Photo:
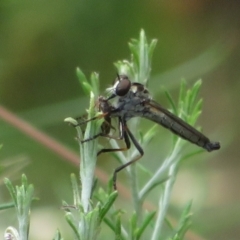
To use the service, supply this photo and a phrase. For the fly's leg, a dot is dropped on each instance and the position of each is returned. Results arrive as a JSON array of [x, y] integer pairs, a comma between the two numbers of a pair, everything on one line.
[[91, 119], [102, 135], [123, 135], [127, 134], [106, 127], [99, 134], [94, 137]]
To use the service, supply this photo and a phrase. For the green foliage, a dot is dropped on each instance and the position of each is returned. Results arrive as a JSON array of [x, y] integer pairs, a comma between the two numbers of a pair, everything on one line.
[[88, 86], [188, 108], [86, 222], [58, 236], [139, 67], [92, 206], [22, 197], [145, 223], [6, 205], [184, 223]]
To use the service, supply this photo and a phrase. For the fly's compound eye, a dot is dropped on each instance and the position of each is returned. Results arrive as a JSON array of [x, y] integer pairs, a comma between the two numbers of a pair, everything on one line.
[[123, 86]]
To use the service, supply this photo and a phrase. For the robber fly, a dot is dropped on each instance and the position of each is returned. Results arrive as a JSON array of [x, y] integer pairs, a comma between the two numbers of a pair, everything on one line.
[[134, 101]]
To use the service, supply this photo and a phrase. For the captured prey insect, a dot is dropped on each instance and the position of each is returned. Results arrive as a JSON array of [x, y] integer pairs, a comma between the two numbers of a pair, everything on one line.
[[134, 101]]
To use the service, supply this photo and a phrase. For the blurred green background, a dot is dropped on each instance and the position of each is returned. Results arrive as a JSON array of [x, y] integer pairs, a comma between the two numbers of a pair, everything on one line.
[[42, 43]]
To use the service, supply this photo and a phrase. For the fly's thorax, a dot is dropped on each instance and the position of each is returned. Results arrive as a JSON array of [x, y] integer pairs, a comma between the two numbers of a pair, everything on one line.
[[131, 106], [138, 94], [139, 90], [128, 103]]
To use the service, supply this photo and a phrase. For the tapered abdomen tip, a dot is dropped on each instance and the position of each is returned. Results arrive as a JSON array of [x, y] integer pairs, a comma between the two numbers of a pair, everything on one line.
[[211, 146]]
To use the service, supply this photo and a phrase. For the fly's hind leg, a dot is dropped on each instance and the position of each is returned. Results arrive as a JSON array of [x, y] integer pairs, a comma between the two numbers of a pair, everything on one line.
[[127, 135]]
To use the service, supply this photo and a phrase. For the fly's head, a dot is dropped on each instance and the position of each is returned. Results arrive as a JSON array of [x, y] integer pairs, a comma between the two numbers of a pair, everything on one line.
[[125, 89], [121, 87]]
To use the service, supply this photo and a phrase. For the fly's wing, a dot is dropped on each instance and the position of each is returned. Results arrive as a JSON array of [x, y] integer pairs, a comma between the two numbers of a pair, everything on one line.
[[168, 120]]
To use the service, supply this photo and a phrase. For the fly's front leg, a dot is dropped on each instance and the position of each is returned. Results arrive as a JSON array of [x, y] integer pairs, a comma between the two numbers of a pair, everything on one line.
[[92, 119], [94, 137], [101, 134]]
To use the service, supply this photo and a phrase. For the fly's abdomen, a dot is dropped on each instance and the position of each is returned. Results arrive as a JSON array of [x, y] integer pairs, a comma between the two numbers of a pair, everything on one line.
[[180, 128]]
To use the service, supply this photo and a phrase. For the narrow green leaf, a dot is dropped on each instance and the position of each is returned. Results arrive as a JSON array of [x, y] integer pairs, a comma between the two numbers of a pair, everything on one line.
[[87, 88], [124, 67], [95, 83], [81, 76], [58, 236], [94, 186], [141, 136], [11, 190], [71, 121], [118, 228], [109, 223], [186, 106], [134, 52], [185, 221], [71, 222], [110, 182], [171, 101], [75, 188], [145, 223], [194, 92], [182, 93], [193, 118], [7, 205], [144, 169], [168, 223], [148, 136], [197, 108], [83, 81], [152, 47], [155, 184], [108, 204], [133, 225], [29, 194], [24, 181], [190, 155]]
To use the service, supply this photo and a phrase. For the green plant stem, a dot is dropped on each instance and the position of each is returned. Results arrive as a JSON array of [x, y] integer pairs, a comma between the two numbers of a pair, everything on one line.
[[163, 169], [7, 205], [134, 187], [164, 201], [88, 155]]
